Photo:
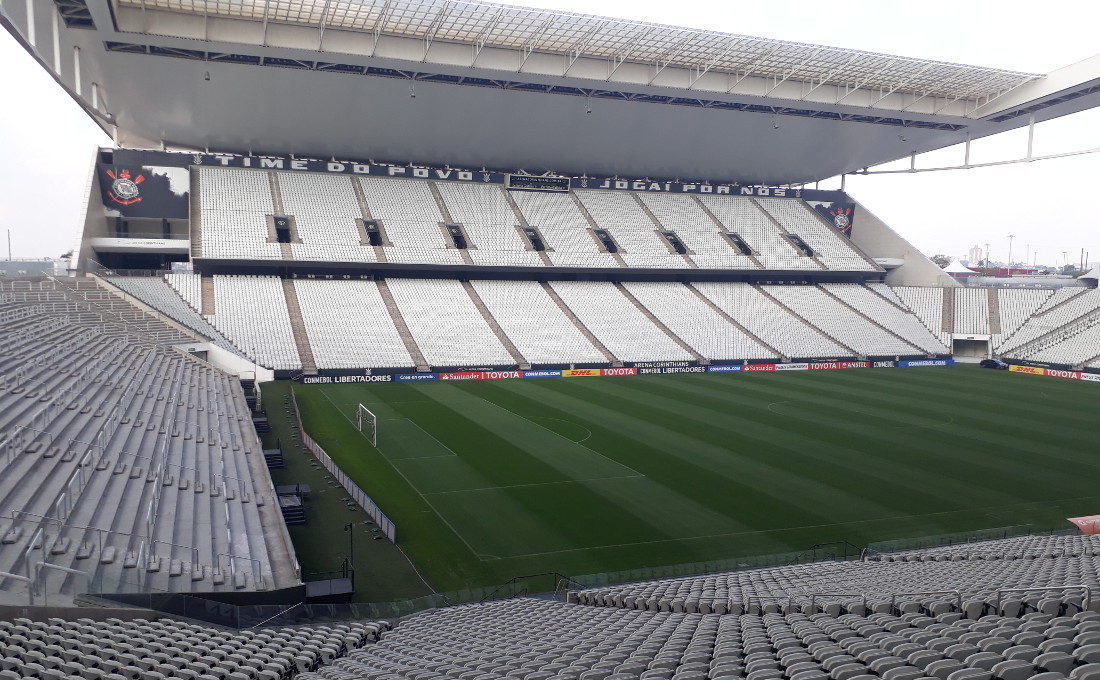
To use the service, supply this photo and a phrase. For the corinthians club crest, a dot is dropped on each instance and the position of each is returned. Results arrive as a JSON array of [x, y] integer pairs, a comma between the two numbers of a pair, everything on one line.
[[842, 218], [124, 190]]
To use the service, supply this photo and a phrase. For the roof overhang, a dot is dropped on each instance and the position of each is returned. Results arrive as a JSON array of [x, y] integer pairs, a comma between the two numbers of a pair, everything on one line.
[[484, 85]]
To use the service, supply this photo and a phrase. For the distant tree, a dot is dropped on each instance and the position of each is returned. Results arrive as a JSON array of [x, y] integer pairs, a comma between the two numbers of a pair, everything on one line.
[[942, 260], [65, 256]]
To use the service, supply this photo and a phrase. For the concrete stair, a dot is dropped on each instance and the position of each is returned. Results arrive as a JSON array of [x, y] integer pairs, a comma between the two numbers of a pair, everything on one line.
[[402, 328], [195, 216], [298, 326], [994, 311], [947, 320], [579, 324], [207, 302]]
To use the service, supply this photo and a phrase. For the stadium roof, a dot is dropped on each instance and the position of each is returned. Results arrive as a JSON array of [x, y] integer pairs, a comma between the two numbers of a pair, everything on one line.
[[579, 35], [476, 85]]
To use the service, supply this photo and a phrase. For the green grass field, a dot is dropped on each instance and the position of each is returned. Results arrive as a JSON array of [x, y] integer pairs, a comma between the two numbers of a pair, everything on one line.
[[487, 480]]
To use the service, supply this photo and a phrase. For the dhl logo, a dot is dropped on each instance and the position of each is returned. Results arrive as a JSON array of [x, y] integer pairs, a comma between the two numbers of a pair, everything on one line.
[[1028, 369], [578, 372]]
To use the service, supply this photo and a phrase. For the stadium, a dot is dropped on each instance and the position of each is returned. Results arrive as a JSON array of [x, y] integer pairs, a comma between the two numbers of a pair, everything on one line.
[[438, 339]]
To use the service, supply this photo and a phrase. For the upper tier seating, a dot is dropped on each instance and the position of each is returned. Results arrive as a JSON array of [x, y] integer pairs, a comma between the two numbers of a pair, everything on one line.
[[128, 461], [489, 223], [744, 217], [831, 251], [633, 231], [235, 205], [697, 230]]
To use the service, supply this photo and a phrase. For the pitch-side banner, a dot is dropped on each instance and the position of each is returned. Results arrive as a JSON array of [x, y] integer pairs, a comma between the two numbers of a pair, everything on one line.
[[145, 191], [1027, 369]]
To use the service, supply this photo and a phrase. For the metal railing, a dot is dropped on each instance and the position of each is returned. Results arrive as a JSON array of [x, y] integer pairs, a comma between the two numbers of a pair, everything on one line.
[[1046, 589]]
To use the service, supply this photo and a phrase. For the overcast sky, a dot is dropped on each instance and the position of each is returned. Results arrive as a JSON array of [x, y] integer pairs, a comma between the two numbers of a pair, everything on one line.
[[1047, 205]]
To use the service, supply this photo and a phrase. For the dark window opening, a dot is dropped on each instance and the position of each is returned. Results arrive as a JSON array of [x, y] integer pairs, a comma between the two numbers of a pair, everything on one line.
[[282, 230], [675, 242], [536, 240], [374, 236], [606, 240], [801, 245], [739, 243], [457, 236]]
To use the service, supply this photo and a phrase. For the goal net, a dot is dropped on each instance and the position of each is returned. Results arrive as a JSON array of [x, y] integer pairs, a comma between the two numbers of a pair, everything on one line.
[[368, 424]]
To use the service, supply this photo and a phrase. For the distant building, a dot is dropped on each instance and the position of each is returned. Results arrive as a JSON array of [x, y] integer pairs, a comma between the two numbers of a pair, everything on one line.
[[41, 267], [974, 255]]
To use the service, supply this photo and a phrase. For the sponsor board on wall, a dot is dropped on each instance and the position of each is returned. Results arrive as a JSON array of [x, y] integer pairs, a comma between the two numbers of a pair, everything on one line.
[[580, 372], [1035, 370], [1058, 373], [671, 369], [792, 367], [1090, 377], [724, 369], [481, 375], [650, 368], [344, 379], [927, 362], [837, 365]]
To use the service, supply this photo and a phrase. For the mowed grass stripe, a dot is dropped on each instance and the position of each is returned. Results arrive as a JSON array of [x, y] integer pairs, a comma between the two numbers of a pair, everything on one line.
[[833, 447], [530, 450], [966, 437], [861, 455], [791, 496]]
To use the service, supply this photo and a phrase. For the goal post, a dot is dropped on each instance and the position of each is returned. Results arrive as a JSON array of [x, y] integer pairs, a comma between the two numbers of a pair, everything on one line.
[[368, 424]]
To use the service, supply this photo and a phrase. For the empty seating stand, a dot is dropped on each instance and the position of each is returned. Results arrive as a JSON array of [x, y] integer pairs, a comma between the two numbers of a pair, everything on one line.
[[126, 461], [237, 205]]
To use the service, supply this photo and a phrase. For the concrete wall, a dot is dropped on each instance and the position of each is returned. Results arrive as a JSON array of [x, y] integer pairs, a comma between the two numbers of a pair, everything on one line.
[[879, 240]]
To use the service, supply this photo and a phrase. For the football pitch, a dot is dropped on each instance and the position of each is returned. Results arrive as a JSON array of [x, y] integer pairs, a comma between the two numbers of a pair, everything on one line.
[[487, 480]]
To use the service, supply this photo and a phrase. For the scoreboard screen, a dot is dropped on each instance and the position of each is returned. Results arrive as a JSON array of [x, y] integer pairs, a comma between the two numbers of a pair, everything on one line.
[[532, 183]]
